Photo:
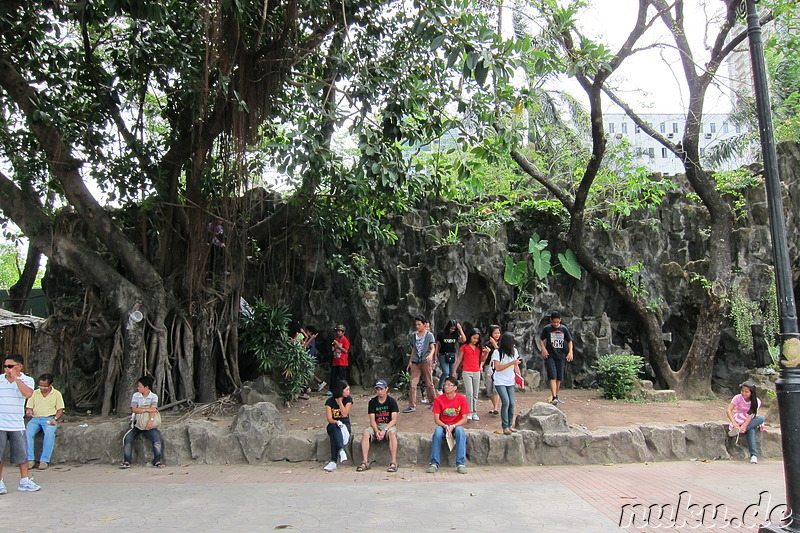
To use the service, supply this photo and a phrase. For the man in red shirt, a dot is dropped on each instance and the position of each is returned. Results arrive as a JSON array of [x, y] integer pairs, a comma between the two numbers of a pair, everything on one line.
[[341, 349], [450, 412]]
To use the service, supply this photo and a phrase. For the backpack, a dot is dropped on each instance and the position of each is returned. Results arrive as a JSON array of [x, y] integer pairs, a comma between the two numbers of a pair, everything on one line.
[[140, 420]]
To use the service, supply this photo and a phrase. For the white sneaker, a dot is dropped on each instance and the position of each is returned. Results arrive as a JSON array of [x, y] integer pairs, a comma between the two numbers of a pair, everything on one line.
[[754, 459], [424, 400], [2, 487], [330, 467], [27, 485], [342, 456], [475, 416]]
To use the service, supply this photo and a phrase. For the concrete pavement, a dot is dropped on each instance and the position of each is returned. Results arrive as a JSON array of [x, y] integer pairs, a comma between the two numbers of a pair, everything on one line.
[[676, 496]]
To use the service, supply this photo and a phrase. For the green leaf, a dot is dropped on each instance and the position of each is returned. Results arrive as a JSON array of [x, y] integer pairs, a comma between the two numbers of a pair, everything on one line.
[[541, 263], [570, 264]]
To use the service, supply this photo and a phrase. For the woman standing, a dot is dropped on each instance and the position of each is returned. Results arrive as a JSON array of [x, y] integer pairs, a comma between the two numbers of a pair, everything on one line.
[[744, 417], [471, 356], [492, 344], [505, 362], [337, 409]]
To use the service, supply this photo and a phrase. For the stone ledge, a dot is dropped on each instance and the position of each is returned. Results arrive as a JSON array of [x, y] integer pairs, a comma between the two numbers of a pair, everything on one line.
[[257, 436]]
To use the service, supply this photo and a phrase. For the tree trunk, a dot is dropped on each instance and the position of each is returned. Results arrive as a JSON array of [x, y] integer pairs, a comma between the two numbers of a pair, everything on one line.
[[21, 290]]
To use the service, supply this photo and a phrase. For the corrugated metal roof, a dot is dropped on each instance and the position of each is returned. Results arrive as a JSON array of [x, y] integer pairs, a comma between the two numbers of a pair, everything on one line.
[[7, 318]]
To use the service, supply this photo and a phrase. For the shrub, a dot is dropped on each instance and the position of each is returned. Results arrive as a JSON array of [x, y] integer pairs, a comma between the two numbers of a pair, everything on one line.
[[265, 334], [616, 374]]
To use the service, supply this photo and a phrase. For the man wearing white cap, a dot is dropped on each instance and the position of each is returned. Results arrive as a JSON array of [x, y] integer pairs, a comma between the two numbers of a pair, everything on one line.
[[382, 411]]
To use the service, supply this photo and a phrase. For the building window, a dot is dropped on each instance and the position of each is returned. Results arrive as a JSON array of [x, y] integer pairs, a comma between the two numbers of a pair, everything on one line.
[[663, 153], [713, 127], [662, 128], [610, 127], [738, 128], [724, 127], [623, 127], [651, 152], [674, 127], [637, 129]]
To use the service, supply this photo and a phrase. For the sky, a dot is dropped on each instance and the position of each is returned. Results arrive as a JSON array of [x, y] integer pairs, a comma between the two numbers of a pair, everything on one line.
[[650, 80]]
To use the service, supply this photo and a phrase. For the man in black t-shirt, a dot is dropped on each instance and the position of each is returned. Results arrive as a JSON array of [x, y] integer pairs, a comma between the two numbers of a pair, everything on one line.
[[556, 345], [448, 342], [382, 411]]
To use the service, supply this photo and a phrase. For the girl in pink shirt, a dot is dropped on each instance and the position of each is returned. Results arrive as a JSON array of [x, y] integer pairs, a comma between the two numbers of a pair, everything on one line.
[[743, 414]]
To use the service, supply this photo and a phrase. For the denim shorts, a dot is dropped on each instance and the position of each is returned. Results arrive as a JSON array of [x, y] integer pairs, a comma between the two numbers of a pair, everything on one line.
[[18, 444], [556, 367]]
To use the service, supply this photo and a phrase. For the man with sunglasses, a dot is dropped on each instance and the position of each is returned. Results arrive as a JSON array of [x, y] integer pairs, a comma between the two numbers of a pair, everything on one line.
[[15, 388]]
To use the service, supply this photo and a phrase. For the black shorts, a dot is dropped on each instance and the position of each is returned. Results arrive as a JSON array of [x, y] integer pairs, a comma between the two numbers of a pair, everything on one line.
[[556, 366]]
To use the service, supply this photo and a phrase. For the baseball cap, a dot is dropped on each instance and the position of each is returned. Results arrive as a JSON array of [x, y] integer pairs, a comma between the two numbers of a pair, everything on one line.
[[381, 384], [341, 327]]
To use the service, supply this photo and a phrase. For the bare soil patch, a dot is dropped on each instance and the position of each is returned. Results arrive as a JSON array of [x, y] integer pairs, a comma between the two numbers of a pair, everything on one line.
[[583, 408]]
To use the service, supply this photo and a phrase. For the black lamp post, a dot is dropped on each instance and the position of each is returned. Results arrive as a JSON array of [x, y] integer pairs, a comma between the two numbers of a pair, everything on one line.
[[788, 385]]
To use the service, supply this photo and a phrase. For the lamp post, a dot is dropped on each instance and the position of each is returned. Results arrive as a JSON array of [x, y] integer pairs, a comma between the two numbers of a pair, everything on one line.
[[788, 385]]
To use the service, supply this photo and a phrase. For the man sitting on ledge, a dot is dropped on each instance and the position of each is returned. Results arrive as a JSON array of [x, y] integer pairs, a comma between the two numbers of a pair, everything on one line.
[[450, 412]]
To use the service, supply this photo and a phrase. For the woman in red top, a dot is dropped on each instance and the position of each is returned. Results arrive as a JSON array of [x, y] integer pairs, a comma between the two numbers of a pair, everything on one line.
[[471, 355]]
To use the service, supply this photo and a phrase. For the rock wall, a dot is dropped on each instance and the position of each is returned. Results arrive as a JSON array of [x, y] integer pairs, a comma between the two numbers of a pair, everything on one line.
[[257, 436], [426, 271]]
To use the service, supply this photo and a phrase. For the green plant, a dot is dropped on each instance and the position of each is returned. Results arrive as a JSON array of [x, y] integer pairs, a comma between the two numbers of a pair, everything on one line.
[[265, 335], [616, 373], [357, 269], [742, 314], [631, 278], [403, 382], [450, 238]]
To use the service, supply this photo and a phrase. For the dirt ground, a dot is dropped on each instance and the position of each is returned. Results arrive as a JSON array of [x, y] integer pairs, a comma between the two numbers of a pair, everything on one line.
[[583, 408]]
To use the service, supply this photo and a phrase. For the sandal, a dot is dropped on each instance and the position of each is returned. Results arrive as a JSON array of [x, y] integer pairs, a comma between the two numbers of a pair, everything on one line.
[[392, 467], [507, 431], [159, 465], [494, 412], [363, 467], [125, 464]]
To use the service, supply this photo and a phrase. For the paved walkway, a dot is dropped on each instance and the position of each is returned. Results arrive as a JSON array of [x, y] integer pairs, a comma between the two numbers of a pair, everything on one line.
[[301, 497]]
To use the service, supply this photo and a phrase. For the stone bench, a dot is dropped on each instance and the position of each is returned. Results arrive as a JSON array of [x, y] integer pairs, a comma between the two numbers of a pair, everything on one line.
[[258, 436]]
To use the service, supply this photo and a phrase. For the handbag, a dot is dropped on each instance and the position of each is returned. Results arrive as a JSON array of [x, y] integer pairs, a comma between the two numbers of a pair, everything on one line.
[[449, 358], [140, 420]]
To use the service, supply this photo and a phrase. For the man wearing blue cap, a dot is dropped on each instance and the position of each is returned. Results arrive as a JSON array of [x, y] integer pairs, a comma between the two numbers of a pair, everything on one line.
[[382, 411]]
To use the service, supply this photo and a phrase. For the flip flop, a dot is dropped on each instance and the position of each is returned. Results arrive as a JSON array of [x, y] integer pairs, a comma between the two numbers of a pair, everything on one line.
[[126, 464], [363, 467], [392, 467], [159, 465]]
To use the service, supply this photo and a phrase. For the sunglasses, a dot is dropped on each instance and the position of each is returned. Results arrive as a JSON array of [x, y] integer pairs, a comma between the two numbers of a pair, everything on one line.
[[10, 366]]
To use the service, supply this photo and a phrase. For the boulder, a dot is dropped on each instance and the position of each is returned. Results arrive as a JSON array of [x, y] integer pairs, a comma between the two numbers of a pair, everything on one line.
[[293, 446], [212, 444], [98, 442], [261, 389], [254, 427], [544, 418], [664, 442]]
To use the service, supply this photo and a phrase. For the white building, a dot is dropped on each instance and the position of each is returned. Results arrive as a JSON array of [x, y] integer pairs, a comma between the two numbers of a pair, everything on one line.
[[656, 157]]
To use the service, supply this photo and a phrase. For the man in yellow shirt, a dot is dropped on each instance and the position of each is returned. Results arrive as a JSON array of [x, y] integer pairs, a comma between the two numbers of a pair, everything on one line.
[[45, 408]]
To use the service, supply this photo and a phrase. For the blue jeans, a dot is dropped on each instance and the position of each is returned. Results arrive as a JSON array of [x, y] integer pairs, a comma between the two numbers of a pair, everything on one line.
[[337, 442], [447, 369], [154, 435], [461, 445], [752, 427], [37, 424], [507, 399]]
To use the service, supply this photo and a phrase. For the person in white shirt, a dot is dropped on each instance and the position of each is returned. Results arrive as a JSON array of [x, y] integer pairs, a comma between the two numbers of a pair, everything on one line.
[[15, 388], [143, 401]]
